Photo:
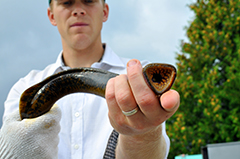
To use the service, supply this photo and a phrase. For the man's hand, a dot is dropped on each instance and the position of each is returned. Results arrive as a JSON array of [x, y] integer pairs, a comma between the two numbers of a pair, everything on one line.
[[31, 138], [140, 133]]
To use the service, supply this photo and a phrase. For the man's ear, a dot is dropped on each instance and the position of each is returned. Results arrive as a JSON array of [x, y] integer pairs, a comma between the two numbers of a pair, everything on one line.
[[51, 17], [105, 12]]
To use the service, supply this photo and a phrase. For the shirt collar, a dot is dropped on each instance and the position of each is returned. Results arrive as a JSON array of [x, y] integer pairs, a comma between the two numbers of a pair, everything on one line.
[[59, 64], [109, 59]]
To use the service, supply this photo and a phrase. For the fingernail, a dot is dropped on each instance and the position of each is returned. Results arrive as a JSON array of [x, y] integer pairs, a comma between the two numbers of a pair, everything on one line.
[[132, 63]]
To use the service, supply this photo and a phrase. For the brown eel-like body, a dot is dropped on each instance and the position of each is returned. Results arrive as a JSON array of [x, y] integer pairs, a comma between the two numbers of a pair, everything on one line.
[[39, 98]]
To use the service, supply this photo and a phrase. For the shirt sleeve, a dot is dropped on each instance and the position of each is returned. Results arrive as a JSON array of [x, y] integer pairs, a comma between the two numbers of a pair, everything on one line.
[[12, 102], [111, 146]]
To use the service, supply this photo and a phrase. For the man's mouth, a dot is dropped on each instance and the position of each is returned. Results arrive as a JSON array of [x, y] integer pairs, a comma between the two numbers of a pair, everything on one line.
[[79, 24]]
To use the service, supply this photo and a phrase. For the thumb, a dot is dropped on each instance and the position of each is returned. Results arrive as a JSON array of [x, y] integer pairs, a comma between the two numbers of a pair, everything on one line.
[[170, 101], [48, 120]]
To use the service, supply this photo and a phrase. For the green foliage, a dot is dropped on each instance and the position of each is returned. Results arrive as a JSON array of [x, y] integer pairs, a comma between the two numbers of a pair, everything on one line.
[[208, 79]]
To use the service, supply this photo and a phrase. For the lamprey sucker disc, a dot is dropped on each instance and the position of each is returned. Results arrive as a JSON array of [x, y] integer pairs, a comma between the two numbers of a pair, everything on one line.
[[39, 98], [160, 77]]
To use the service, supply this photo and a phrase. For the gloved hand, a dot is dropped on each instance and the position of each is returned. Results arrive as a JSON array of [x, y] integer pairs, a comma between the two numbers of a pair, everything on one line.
[[30, 138]]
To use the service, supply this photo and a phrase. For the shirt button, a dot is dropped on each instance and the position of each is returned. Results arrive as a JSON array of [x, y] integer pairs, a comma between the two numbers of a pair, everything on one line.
[[76, 147], [77, 114]]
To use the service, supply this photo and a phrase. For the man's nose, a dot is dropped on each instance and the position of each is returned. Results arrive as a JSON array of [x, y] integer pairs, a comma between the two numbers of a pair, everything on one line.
[[79, 10]]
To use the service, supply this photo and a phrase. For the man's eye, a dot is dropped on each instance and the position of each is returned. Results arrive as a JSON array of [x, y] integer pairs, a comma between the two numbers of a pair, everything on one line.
[[67, 3], [88, 1]]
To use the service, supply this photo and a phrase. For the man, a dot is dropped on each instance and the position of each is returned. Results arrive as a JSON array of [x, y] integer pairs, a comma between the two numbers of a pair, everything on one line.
[[85, 125]]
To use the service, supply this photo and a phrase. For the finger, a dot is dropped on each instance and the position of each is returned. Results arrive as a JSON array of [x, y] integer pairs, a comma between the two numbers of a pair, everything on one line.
[[145, 97], [55, 113], [46, 121], [14, 116], [170, 101], [111, 99], [124, 96], [118, 100], [117, 119]]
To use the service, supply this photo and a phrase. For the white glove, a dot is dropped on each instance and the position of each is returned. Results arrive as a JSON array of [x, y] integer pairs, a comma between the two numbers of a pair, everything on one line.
[[30, 138]]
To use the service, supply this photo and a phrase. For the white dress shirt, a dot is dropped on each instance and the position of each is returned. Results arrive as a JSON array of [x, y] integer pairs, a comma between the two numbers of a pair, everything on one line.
[[85, 127]]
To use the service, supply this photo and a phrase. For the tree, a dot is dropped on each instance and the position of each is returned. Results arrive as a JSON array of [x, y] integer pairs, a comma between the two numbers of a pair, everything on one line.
[[208, 79]]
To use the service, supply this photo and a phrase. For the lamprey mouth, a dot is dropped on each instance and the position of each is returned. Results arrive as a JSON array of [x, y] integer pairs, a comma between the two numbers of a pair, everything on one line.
[[39, 99], [160, 77]]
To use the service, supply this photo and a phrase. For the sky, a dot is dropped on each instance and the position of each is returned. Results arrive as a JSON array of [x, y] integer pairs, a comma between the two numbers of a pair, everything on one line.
[[145, 30]]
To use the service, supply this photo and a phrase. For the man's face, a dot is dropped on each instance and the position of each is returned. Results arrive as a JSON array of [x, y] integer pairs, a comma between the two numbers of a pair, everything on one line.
[[79, 21]]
